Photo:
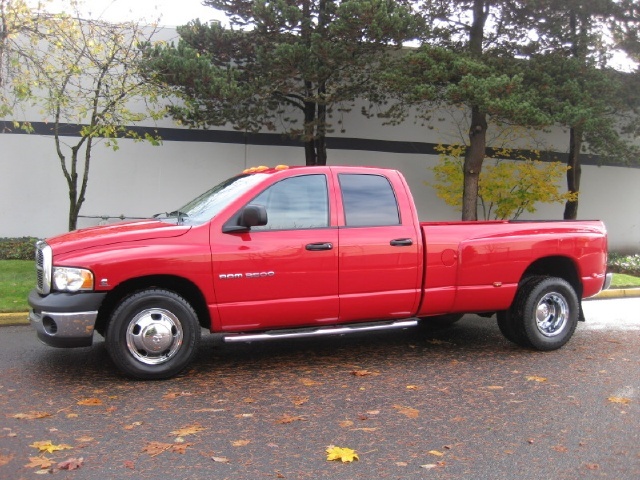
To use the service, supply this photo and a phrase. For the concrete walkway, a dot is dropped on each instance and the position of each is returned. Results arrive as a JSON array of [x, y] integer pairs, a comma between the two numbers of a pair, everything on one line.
[[21, 318]]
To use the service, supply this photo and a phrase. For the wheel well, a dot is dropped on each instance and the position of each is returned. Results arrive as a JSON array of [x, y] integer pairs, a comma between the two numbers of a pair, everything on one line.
[[179, 285], [561, 267]]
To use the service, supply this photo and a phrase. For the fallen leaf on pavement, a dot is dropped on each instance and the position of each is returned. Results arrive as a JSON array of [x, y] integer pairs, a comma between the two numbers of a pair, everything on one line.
[[31, 415], [71, 464], [286, 418], [90, 402], [4, 459], [346, 455], [240, 443], [156, 448], [307, 382], [363, 373], [407, 411], [39, 463], [220, 459], [534, 378], [47, 446], [621, 400], [436, 453], [180, 448], [189, 430]]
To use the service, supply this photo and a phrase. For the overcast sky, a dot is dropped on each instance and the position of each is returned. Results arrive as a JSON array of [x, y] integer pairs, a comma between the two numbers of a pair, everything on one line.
[[170, 12]]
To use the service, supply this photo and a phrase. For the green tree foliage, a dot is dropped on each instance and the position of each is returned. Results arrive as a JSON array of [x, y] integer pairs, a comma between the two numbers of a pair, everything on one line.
[[569, 62], [294, 65], [467, 62], [507, 188], [84, 78]]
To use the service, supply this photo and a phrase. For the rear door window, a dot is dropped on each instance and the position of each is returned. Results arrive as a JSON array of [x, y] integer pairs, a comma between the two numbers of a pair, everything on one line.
[[368, 200]]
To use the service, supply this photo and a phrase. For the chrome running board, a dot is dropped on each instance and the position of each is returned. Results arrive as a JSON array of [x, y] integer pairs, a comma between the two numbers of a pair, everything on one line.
[[319, 332]]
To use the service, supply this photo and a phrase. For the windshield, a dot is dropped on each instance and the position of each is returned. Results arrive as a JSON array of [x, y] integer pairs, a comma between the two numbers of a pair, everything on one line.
[[209, 204]]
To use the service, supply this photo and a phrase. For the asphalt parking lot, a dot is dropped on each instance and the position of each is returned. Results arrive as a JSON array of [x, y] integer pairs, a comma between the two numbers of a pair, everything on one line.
[[461, 403]]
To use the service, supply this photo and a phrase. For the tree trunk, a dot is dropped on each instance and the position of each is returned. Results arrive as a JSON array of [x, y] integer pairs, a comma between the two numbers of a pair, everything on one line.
[[321, 130], [473, 164], [574, 172], [478, 131]]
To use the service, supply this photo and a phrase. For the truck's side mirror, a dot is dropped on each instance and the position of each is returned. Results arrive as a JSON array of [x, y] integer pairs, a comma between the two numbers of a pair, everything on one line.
[[249, 216]]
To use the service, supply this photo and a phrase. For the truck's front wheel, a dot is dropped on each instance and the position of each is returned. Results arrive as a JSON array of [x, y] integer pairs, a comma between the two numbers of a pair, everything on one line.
[[153, 334], [545, 313]]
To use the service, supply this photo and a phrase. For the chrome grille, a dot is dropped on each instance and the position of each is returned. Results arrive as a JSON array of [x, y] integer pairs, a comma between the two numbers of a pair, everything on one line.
[[44, 259]]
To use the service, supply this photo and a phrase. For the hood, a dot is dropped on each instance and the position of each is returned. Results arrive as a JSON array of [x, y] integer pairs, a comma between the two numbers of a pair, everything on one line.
[[115, 233]]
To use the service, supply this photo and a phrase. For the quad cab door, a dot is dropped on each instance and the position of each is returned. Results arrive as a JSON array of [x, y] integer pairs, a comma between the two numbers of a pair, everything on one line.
[[380, 257], [285, 273]]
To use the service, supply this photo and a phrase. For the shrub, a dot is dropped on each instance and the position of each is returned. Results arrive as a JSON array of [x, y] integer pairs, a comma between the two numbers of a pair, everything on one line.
[[628, 264], [17, 248]]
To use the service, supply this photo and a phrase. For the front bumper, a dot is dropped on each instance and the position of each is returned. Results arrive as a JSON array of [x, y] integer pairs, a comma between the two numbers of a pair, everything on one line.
[[65, 319]]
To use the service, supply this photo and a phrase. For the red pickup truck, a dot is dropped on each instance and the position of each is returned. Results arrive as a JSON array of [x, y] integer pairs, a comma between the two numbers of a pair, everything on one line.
[[303, 251]]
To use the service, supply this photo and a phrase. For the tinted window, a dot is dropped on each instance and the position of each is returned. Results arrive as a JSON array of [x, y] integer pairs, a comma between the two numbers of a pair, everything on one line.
[[296, 203], [368, 200]]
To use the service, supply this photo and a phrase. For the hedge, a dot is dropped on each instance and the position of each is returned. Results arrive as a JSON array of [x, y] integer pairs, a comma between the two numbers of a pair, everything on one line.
[[17, 248]]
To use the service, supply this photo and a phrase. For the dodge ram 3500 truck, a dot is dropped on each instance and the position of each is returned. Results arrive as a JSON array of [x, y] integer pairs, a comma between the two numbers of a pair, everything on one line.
[[304, 251]]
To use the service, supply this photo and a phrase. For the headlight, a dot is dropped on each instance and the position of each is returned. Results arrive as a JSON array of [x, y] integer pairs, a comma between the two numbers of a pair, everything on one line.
[[67, 279]]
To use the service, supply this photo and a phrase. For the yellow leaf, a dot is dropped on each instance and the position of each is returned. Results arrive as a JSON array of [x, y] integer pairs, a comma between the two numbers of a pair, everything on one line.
[[346, 423], [91, 402], [47, 446], [345, 455], [621, 400], [436, 453], [533, 378], [190, 430]]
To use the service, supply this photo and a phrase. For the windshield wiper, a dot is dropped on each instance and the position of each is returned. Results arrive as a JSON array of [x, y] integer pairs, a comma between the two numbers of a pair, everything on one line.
[[176, 213]]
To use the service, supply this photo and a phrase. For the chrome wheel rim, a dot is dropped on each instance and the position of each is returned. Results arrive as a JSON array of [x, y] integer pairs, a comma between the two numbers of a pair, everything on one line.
[[154, 336], [552, 314]]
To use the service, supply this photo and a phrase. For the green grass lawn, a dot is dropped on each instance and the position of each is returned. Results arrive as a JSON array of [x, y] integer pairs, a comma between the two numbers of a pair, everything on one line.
[[18, 277], [620, 280]]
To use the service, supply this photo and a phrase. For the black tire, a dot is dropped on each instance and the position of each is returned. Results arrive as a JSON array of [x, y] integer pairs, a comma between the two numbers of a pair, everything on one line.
[[440, 321], [153, 334], [545, 313], [508, 329]]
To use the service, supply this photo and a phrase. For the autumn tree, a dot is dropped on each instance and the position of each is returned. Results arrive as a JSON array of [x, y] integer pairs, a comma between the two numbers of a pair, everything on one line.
[[20, 30], [509, 185], [86, 84], [282, 65]]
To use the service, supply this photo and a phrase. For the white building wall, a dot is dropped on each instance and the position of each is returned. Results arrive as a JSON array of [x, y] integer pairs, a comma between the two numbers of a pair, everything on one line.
[[139, 180]]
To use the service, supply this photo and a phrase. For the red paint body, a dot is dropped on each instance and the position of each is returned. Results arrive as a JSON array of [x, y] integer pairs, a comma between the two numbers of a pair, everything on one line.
[[259, 280]]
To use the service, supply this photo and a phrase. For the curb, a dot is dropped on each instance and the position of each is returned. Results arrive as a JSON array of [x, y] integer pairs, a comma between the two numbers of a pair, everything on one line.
[[22, 318], [617, 293], [17, 318]]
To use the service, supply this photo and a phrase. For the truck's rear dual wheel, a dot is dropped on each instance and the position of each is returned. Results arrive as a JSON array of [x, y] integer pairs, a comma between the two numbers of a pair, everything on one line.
[[544, 314], [153, 334]]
